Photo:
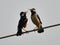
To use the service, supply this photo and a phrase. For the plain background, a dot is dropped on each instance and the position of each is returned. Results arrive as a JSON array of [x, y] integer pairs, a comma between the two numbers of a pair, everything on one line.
[[49, 12]]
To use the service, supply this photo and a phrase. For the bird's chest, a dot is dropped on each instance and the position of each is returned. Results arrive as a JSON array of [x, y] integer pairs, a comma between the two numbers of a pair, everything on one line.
[[35, 19]]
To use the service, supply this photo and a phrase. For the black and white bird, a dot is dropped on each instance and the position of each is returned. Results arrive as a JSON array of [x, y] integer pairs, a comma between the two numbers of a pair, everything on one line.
[[22, 22], [36, 20]]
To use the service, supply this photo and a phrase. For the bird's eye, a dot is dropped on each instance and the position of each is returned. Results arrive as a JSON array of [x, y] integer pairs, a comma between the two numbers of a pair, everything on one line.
[[22, 14]]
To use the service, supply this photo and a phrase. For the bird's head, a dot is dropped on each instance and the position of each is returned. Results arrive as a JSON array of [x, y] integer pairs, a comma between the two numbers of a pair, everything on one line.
[[33, 10], [23, 13]]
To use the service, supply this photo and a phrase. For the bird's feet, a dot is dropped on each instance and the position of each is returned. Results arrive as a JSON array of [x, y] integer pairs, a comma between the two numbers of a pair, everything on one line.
[[19, 33], [40, 30]]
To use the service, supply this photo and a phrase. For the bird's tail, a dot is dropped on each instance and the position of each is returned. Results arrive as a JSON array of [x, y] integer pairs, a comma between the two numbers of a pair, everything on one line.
[[41, 30], [19, 32]]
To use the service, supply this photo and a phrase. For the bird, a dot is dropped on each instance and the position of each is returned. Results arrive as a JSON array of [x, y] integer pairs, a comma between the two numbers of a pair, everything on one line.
[[36, 20], [22, 22]]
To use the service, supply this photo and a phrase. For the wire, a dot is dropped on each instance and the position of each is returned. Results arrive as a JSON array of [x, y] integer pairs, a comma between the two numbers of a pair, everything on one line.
[[30, 31]]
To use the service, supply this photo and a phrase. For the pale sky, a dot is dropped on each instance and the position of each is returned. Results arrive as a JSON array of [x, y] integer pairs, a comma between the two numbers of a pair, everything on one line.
[[49, 12]]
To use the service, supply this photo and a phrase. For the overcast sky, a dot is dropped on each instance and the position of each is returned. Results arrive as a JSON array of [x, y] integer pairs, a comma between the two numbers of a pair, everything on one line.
[[49, 12]]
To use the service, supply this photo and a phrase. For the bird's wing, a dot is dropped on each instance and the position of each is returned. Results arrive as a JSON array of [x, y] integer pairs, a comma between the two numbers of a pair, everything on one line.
[[20, 23], [25, 23], [39, 19]]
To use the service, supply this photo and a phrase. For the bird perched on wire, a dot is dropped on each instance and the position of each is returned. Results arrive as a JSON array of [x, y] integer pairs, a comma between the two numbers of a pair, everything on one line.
[[36, 20], [22, 22]]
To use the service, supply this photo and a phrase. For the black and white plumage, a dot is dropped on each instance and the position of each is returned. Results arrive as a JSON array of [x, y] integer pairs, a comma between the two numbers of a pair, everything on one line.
[[22, 23], [36, 20]]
